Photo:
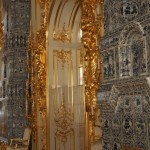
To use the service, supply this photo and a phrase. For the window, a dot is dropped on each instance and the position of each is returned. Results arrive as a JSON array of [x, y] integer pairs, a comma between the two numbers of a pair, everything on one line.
[[80, 66]]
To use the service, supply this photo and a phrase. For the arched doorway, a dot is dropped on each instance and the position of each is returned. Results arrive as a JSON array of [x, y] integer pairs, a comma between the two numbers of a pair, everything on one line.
[[68, 109], [65, 65]]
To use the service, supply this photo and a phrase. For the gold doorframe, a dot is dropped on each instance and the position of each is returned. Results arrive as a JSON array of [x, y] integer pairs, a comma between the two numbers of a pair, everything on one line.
[[92, 25]]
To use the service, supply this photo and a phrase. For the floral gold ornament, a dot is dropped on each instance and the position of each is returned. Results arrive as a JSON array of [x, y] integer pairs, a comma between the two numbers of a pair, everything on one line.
[[63, 56], [42, 3], [31, 108], [40, 84], [36, 85], [36, 88], [1, 35], [63, 114], [64, 122], [93, 59], [63, 35]]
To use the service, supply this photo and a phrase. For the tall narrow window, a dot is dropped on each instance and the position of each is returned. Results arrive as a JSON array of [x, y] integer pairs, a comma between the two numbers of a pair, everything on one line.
[[80, 35], [80, 66]]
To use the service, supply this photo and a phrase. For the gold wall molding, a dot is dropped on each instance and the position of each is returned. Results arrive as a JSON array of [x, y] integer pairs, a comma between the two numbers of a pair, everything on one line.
[[63, 35], [1, 25], [93, 59], [63, 114], [36, 84], [64, 123], [42, 3], [63, 56], [66, 33], [1, 35], [40, 56], [31, 108]]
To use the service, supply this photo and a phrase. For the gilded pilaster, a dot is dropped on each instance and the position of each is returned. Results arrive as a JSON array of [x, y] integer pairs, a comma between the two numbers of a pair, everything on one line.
[[91, 12], [37, 70]]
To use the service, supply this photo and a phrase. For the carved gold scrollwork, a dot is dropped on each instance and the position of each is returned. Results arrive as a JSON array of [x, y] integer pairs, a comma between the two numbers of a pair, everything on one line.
[[63, 103], [40, 55], [42, 3], [64, 122], [63, 55], [93, 60], [63, 35], [36, 85], [31, 111], [92, 71], [1, 35]]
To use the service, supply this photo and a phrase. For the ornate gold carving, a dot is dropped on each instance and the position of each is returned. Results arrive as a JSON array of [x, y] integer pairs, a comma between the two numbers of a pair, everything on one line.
[[63, 55], [40, 65], [36, 85], [63, 35], [64, 122], [46, 11], [42, 3], [31, 113], [93, 61], [1, 35], [63, 114]]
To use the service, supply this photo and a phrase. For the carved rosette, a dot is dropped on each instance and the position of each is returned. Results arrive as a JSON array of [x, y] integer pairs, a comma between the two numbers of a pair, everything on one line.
[[93, 59]]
